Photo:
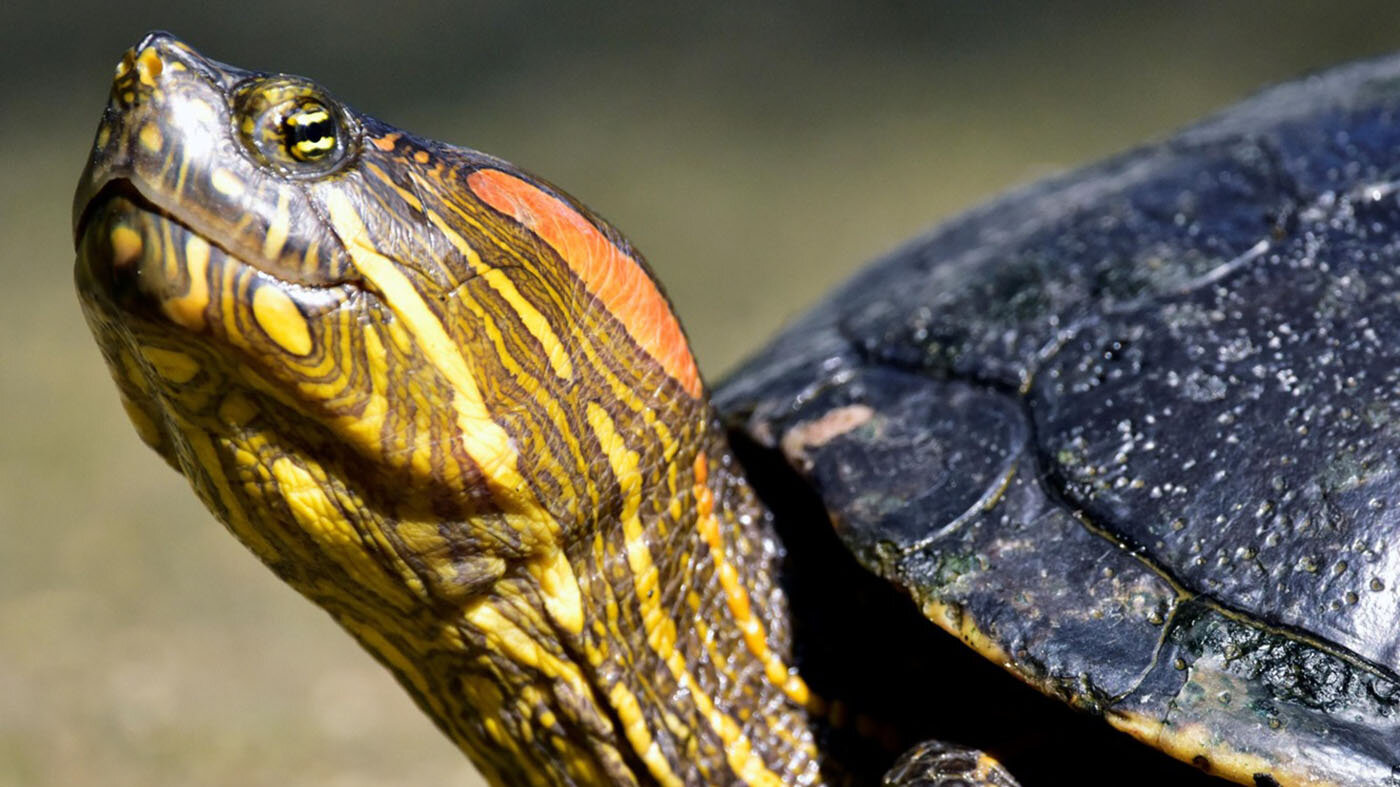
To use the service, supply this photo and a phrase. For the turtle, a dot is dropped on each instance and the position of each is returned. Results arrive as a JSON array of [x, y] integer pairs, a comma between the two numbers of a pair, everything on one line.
[[1129, 433]]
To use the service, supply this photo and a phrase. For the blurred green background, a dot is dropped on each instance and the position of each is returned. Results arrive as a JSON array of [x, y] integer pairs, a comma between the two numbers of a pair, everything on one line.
[[757, 153]]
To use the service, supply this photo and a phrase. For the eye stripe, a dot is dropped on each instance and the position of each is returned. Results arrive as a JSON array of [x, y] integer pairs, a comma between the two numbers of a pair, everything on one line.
[[311, 132], [289, 126], [309, 116], [619, 281]]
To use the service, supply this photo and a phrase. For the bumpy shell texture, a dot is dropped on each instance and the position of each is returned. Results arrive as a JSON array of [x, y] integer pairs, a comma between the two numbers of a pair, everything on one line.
[[1134, 431]]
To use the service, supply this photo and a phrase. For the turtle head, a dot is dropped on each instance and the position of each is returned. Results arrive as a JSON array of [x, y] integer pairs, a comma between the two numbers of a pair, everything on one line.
[[195, 241], [256, 258], [437, 395]]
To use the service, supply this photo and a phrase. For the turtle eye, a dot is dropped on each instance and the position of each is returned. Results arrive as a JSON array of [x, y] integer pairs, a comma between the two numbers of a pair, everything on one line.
[[309, 132], [290, 126]]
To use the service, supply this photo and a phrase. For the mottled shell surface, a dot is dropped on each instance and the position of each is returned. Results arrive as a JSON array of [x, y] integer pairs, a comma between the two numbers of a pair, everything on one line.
[[1135, 431]]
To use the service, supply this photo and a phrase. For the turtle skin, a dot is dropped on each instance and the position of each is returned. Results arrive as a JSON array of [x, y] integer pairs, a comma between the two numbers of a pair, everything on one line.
[[1133, 432]]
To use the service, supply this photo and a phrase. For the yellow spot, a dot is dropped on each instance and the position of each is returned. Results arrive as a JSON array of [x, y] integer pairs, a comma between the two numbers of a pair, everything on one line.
[[226, 183], [188, 309], [150, 137], [104, 134], [133, 373], [148, 66], [237, 410], [277, 229], [173, 365], [281, 320], [126, 246]]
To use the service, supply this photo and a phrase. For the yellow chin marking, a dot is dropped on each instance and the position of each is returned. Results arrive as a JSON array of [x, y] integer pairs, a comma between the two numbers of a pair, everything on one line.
[[281, 320], [425, 541], [223, 498], [148, 66], [522, 648], [151, 138], [174, 366], [226, 183], [126, 246], [188, 309], [237, 410]]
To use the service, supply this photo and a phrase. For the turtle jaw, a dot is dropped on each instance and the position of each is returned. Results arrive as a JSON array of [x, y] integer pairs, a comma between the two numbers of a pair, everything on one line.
[[181, 321], [122, 285], [163, 241]]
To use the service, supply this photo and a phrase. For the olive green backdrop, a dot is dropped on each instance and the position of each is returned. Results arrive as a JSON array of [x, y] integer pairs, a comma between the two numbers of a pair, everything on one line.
[[757, 156]]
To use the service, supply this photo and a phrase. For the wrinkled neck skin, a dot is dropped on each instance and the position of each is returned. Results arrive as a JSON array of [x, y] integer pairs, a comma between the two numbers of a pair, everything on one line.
[[658, 654], [651, 647], [571, 578], [677, 673]]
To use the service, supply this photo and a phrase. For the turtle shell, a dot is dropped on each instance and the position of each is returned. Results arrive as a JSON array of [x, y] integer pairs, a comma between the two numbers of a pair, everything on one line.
[[1134, 431]]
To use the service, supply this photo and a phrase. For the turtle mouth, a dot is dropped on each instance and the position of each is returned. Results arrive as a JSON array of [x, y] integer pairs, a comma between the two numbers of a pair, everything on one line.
[[113, 189], [144, 261], [116, 264], [127, 189]]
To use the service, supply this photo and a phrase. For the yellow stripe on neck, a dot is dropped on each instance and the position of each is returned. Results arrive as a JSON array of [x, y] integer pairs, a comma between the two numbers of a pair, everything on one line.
[[488, 445], [660, 628]]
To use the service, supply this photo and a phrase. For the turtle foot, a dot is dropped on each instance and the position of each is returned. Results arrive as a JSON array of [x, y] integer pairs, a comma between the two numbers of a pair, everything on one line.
[[939, 764]]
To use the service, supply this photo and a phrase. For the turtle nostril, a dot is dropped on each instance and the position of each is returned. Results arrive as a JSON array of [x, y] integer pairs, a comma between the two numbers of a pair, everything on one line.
[[149, 66], [136, 75]]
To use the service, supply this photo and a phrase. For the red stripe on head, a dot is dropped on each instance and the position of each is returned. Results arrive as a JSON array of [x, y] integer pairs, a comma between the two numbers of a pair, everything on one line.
[[623, 286]]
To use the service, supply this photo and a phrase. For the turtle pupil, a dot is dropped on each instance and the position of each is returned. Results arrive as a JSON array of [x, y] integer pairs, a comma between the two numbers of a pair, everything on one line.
[[310, 132]]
